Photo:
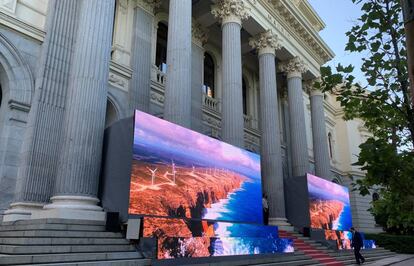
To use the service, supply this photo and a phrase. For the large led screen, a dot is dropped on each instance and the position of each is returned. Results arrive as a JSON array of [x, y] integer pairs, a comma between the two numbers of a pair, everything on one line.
[[173, 227], [179, 247], [177, 172], [329, 205]]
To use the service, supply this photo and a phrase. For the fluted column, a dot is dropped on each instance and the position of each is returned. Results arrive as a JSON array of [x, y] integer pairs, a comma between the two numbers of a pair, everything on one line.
[[300, 161], [38, 168], [270, 147], [231, 13], [199, 38], [139, 92], [177, 104], [79, 164], [320, 141]]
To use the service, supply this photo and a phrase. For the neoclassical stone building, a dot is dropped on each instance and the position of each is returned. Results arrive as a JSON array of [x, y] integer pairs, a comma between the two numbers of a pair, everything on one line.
[[239, 71]]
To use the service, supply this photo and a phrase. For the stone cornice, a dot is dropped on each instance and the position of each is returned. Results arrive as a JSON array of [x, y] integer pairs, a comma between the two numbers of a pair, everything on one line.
[[266, 42], [230, 11], [288, 15], [295, 67], [295, 21]]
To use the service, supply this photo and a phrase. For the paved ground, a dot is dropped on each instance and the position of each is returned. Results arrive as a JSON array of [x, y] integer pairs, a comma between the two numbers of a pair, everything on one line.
[[398, 260]]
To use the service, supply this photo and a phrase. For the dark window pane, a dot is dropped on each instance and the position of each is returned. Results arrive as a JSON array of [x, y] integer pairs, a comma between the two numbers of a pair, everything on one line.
[[209, 78], [161, 50], [244, 91]]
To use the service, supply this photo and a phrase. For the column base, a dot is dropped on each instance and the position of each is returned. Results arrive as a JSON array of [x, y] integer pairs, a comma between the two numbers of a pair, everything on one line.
[[281, 223], [21, 211], [72, 207]]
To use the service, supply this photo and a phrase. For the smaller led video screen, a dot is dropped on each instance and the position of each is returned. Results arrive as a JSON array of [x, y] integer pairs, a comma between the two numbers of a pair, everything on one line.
[[181, 247], [173, 227], [177, 172], [369, 244], [329, 205], [342, 238]]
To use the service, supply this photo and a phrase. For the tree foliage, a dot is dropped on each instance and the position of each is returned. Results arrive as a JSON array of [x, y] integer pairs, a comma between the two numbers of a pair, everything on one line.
[[384, 105]]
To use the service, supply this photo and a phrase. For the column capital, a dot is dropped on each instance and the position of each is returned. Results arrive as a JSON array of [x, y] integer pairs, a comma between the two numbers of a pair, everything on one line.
[[266, 42], [199, 34], [230, 11], [295, 67], [309, 86], [148, 5]]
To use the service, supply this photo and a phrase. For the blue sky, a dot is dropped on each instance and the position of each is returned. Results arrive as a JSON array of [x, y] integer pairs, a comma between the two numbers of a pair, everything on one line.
[[339, 17]]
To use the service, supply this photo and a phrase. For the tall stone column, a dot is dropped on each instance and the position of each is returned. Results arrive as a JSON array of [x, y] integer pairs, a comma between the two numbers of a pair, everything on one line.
[[320, 141], [300, 160], [177, 104], [197, 66], [38, 168], [270, 147], [76, 188], [231, 13], [139, 93]]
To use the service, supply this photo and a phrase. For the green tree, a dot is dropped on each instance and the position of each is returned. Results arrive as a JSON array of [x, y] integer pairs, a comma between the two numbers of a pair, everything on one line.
[[384, 106]]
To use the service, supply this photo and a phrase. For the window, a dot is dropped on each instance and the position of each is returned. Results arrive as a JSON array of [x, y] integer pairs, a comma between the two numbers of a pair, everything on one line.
[[330, 145], [209, 78], [244, 91], [161, 50]]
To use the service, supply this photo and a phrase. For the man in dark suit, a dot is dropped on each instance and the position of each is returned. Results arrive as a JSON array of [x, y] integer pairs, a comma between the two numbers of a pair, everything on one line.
[[357, 243]]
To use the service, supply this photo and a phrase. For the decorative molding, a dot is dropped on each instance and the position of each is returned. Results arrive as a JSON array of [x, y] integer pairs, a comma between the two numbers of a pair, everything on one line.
[[282, 9], [21, 26], [148, 5], [119, 76], [199, 34], [295, 67], [230, 11], [266, 42], [8, 5]]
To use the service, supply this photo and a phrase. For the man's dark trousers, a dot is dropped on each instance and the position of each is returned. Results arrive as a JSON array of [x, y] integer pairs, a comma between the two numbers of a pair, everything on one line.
[[358, 256]]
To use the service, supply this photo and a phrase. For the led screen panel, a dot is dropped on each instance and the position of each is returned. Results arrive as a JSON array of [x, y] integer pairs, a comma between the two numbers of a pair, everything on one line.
[[180, 247], [329, 206], [177, 172], [173, 227]]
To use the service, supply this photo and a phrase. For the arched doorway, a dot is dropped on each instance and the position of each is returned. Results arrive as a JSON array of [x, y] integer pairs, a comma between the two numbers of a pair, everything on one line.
[[111, 114]]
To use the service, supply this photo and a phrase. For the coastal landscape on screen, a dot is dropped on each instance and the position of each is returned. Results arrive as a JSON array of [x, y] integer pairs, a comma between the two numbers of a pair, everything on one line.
[[193, 247], [178, 227], [177, 172], [329, 205]]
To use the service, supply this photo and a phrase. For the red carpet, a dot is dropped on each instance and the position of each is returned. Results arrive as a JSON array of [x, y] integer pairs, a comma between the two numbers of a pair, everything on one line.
[[316, 254]]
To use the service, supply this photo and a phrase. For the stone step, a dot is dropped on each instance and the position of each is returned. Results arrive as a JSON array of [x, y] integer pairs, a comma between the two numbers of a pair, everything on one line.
[[62, 241], [67, 257], [9, 249], [53, 221], [60, 227], [141, 262], [263, 259], [367, 259], [59, 233], [364, 255]]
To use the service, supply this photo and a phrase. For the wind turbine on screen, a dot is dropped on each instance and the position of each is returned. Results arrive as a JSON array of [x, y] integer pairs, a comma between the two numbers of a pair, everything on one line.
[[152, 175]]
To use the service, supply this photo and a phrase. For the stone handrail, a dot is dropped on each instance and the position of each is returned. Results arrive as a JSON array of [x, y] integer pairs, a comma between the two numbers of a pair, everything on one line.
[[158, 76], [211, 103]]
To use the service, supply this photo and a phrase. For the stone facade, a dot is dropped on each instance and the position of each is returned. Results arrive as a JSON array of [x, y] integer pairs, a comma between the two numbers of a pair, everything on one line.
[[255, 93]]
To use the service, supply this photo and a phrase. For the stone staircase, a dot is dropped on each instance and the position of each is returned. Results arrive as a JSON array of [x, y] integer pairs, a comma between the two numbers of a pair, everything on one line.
[[64, 242], [76, 242], [326, 256]]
